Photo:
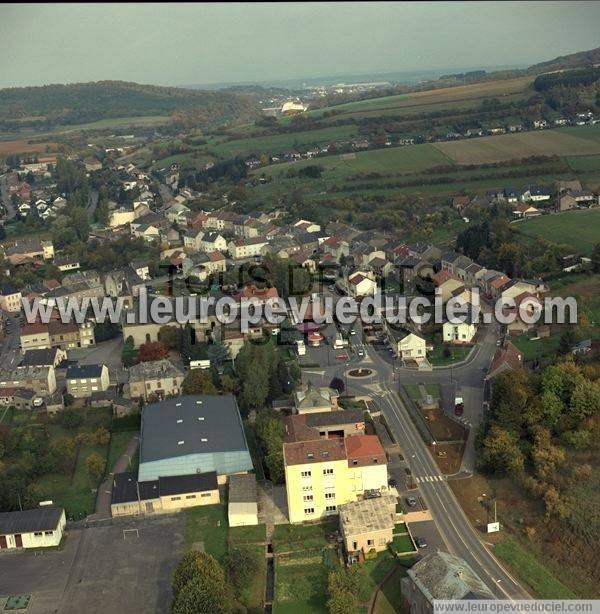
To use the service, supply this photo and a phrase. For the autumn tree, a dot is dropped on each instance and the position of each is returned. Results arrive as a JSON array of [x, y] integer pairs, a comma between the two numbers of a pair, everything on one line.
[[153, 350], [198, 381], [96, 465]]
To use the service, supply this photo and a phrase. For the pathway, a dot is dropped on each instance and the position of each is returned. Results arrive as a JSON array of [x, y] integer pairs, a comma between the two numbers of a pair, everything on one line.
[[104, 496]]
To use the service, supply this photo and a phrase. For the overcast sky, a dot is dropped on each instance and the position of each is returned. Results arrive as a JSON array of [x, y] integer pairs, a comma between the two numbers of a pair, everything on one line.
[[184, 44]]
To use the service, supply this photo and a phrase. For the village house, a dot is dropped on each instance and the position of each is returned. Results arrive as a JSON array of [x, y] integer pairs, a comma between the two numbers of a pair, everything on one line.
[[83, 380], [459, 332], [245, 248], [10, 299], [41, 380], [367, 525], [360, 283], [154, 380], [40, 527], [440, 575], [315, 400]]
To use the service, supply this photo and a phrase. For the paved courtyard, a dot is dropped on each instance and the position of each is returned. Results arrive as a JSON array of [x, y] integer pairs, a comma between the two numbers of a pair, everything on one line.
[[100, 569]]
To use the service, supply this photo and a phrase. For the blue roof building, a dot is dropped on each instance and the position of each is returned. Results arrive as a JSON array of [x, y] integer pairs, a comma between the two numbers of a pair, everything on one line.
[[193, 434]]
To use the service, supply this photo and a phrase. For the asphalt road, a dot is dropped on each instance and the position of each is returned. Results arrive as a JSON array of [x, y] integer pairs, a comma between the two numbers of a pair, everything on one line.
[[10, 354], [382, 385]]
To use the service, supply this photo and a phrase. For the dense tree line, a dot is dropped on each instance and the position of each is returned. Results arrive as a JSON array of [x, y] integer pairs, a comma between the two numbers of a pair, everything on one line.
[[534, 424]]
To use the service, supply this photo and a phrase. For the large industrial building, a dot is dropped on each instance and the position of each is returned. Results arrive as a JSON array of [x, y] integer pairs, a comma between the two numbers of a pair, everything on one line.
[[193, 434]]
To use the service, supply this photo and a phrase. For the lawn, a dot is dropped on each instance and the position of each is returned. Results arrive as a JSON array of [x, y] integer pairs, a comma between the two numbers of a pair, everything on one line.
[[76, 492], [256, 534], [580, 229], [402, 544], [253, 595], [537, 348], [413, 391], [458, 353], [529, 570], [300, 583], [118, 444], [433, 390], [389, 598], [292, 538], [208, 524]]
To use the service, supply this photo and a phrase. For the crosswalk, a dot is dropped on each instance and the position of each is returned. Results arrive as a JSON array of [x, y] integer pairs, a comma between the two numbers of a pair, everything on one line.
[[430, 478]]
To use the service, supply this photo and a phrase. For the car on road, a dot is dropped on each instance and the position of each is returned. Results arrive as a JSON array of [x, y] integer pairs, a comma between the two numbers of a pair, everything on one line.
[[411, 501], [352, 331], [421, 542], [360, 352]]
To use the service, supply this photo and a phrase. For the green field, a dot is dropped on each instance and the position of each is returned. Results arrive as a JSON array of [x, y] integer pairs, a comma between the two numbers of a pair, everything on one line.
[[461, 96], [576, 141], [208, 524], [278, 143], [580, 230], [117, 446], [538, 348], [300, 584], [396, 160], [530, 571]]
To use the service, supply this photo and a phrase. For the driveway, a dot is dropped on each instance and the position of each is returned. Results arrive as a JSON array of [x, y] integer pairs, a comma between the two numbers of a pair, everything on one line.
[[100, 569]]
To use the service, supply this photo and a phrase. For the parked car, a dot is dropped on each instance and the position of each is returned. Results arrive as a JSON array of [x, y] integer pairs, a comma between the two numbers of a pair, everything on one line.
[[352, 331], [421, 542], [411, 501], [392, 482]]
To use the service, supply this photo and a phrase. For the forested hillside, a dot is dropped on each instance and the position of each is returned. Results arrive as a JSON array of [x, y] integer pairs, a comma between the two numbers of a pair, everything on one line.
[[85, 102]]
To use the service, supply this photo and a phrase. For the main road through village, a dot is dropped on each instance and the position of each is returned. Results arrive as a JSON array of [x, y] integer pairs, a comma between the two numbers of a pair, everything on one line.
[[382, 386]]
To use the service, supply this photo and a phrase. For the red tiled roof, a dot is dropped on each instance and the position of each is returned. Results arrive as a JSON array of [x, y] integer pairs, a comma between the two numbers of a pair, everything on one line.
[[33, 328], [359, 446], [499, 282]]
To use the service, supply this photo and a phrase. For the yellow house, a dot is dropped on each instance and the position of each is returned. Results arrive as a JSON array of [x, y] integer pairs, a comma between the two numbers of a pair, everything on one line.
[[411, 347], [324, 473]]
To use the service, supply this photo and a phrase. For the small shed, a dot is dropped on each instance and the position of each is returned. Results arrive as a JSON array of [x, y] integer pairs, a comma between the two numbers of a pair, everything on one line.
[[243, 500]]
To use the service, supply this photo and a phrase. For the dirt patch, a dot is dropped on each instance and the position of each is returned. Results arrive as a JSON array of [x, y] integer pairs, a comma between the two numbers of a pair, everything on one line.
[[443, 428], [23, 146], [448, 456]]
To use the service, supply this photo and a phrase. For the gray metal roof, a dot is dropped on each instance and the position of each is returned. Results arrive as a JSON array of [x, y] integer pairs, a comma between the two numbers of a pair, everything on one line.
[[194, 424]]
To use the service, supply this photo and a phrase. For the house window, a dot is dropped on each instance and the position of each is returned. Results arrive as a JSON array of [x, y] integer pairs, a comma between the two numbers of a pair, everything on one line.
[[205, 494], [329, 495], [370, 542], [308, 497], [306, 488], [306, 474], [175, 498], [330, 508], [38, 534], [309, 510], [354, 462], [48, 532], [327, 471], [190, 496]]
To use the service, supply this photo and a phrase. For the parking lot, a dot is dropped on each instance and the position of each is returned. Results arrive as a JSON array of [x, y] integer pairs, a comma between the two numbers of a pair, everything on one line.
[[109, 568]]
